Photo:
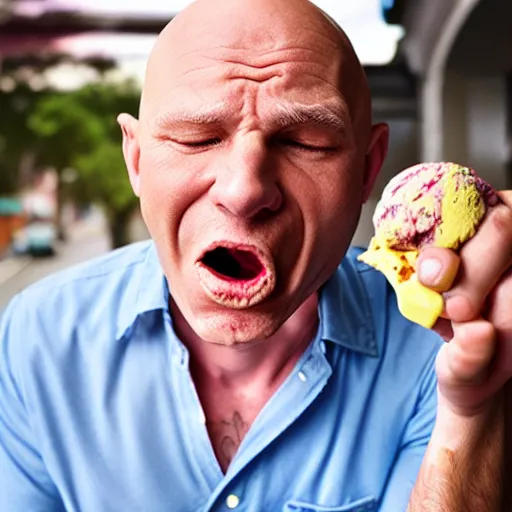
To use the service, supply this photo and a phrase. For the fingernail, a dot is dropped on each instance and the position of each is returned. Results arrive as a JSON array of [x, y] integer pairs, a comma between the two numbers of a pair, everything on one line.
[[430, 271]]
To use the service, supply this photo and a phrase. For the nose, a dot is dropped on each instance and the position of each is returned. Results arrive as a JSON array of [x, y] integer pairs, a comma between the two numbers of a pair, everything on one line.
[[246, 184]]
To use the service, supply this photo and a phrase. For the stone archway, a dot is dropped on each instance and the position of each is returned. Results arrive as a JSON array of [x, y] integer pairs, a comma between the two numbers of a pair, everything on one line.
[[461, 51], [481, 58], [432, 132]]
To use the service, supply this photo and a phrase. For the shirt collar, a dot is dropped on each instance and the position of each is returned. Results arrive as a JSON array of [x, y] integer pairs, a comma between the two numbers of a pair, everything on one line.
[[344, 306], [345, 311], [151, 291]]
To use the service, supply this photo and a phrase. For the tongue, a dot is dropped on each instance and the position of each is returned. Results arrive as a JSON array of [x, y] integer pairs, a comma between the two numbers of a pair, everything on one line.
[[233, 264]]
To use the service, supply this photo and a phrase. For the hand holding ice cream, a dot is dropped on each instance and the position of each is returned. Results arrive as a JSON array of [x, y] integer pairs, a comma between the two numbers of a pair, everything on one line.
[[425, 211], [435, 204]]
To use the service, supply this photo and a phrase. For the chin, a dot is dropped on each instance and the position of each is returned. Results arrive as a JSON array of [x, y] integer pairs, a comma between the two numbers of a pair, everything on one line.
[[235, 327]]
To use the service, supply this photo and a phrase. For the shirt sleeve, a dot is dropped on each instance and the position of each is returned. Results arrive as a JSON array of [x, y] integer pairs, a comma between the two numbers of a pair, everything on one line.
[[25, 484], [413, 447]]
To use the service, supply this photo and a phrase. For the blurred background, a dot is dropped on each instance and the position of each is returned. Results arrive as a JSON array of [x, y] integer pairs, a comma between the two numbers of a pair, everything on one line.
[[439, 71]]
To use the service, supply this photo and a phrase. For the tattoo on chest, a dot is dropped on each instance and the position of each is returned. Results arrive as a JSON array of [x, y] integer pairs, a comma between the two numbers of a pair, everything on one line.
[[226, 436]]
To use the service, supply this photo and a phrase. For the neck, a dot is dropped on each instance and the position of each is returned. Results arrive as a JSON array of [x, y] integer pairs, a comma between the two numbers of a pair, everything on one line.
[[263, 363]]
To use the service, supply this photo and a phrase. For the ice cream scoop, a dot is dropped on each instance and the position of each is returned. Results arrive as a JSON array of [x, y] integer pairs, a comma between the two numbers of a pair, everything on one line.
[[437, 204]]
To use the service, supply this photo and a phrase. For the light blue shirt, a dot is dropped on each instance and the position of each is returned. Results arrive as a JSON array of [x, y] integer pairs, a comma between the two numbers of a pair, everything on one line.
[[98, 412]]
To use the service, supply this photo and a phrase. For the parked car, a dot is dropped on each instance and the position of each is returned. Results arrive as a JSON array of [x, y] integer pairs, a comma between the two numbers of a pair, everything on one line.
[[37, 238], [12, 218]]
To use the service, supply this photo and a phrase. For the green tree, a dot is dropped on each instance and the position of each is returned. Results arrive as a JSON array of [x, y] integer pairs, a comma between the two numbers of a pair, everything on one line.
[[23, 82], [78, 130], [102, 179], [64, 130], [16, 138]]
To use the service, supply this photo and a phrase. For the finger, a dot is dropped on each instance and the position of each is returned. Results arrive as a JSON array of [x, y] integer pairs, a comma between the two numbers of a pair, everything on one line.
[[484, 259], [437, 268], [506, 197], [500, 306], [500, 315], [444, 328], [468, 355]]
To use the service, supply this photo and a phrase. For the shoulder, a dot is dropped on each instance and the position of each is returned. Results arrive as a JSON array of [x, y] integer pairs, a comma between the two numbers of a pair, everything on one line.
[[112, 266], [90, 298], [84, 285]]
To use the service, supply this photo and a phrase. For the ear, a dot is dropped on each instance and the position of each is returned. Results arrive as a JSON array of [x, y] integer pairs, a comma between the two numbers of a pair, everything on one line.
[[131, 148], [375, 156]]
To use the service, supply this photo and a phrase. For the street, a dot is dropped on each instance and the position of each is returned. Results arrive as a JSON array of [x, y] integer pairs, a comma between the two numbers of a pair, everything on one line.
[[86, 240]]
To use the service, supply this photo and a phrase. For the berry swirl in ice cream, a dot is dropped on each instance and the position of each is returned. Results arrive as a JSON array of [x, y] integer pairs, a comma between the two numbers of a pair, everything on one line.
[[438, 204]]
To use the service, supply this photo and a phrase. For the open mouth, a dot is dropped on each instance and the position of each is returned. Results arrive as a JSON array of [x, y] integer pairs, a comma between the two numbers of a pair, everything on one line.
[[233, 264], [236, 275]]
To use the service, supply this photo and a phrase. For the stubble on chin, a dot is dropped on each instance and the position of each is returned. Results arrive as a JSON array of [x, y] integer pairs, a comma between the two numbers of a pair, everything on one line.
[[235, 329]]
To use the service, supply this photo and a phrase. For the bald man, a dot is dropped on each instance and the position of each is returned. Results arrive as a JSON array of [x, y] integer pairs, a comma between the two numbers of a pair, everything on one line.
[[243, 359]]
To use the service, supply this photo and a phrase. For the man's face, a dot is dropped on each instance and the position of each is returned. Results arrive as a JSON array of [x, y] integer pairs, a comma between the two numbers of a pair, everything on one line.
[[250, 180]]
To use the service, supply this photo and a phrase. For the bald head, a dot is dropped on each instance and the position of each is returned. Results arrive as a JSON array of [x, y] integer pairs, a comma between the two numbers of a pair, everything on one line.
[[255, 132], [260, 27]]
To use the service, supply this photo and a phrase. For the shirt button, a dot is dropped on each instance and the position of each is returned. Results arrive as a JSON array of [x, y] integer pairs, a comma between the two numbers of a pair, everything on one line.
[[302, 376], [232, 501]]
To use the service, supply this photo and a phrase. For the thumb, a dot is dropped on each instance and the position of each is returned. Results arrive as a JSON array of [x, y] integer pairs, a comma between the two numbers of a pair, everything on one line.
[[467, 356]]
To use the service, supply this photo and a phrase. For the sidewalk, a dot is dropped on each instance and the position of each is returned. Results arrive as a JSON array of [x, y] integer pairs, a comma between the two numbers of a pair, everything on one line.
[[11, 266]]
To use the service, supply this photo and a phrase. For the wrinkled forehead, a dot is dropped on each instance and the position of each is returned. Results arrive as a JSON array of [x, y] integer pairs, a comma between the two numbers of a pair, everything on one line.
[[226, 75], [296, 55]]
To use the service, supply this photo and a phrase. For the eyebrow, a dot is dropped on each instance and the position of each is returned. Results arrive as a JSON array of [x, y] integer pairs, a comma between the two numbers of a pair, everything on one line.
[[330, 115], [213, 114]]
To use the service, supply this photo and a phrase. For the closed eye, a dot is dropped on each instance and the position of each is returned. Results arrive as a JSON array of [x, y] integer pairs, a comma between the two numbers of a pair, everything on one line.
[[203, 143], [306, 147]]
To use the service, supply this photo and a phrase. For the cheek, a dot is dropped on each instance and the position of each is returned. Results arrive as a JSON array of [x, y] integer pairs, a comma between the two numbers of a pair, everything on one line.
[[168, 185], [154, 186], [331, 204], [329, 201]]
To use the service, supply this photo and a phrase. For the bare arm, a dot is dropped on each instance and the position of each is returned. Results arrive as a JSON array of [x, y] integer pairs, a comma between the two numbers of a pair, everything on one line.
[[463, 468], [507, 481], [469, 459]]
